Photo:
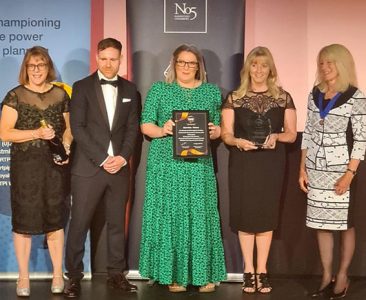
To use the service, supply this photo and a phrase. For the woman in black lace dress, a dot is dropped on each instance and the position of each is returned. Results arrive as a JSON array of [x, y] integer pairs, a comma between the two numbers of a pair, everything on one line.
[[257, 165], [38, 186]]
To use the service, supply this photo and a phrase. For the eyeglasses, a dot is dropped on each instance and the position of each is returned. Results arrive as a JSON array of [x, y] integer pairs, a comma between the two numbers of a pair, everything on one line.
[[190, 64], [40, 67]]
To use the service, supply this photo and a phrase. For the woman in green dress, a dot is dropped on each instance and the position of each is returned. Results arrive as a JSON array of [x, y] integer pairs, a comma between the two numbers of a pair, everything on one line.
[[181, 240]]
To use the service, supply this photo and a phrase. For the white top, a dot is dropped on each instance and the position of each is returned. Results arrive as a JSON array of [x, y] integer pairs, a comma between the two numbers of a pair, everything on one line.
[[110, 99]]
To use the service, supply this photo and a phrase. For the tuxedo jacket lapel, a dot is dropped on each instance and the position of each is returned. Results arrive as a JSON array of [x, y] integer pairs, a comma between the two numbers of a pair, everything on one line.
[[118, 103], [100, 99]]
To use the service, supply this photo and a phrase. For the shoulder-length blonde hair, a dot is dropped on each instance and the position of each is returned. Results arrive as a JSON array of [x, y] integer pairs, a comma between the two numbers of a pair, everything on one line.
[[344, 63], [171, 74], [36, 51], [245, 80]]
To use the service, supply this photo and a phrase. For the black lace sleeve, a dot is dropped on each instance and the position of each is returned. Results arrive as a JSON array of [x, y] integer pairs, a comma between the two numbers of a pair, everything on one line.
[[289, 102], [228, 102], [11, 99]]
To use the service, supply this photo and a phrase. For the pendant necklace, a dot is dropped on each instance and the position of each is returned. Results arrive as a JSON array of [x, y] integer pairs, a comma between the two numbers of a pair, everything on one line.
[[324, 111], [188, 91]]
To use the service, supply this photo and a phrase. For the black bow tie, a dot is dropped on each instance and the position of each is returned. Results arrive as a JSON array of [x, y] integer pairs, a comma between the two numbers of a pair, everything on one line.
[[111, 82]]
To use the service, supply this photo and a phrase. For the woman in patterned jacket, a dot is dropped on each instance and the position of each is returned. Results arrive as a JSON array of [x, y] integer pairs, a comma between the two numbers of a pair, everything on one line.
[[333, 144]]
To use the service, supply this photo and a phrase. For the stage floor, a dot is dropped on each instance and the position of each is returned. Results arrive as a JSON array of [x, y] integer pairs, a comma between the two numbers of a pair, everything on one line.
[[96, 289]]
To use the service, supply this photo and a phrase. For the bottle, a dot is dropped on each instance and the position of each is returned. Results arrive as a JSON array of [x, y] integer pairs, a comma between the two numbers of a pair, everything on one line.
[[57, 148]]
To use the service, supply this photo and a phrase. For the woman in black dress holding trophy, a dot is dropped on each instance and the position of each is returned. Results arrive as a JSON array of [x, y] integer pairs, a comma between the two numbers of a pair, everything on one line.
[[257, 119], [38, 181]]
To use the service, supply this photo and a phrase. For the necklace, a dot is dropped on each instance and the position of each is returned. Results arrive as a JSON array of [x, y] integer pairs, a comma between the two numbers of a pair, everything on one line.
[[324, 111], [188, 90], [187, 93], [188, 84]]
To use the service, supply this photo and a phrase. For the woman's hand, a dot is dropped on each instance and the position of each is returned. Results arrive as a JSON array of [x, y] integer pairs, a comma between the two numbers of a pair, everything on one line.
[[214, 131], [343, 183], [65, 162], [167, 128], [303, 180], [271, 141], [67, 148], [245, 145], [45, 133]]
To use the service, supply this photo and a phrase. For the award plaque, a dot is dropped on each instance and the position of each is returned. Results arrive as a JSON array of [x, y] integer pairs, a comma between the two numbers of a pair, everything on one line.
[[259, 127], [190, 134]]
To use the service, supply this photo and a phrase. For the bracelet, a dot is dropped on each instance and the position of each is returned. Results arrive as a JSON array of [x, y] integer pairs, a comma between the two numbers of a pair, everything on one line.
[[237, 143], [66, 146], [352, 171]]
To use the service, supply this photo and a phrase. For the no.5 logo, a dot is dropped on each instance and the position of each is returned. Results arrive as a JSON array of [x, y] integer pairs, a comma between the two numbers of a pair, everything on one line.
[[186, 10]]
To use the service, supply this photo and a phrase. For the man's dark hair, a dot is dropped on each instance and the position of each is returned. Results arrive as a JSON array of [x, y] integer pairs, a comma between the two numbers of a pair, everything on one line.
[[109, 42]]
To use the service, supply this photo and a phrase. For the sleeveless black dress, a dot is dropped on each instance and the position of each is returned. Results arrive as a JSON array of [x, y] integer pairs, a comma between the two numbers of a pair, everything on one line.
[[38, 185], [256, 177]]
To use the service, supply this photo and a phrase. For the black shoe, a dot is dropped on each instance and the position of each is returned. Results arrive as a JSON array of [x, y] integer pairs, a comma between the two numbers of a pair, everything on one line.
[[248, 283], [340, 295], [263, 284], [72, 288], [325, 291], [119, 281]]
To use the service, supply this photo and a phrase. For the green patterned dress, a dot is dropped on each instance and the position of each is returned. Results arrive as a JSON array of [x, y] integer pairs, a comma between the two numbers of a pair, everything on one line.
[[181, 238]]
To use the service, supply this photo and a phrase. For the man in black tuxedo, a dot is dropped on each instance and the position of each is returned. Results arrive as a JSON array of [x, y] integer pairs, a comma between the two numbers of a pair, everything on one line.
[[104, 123]]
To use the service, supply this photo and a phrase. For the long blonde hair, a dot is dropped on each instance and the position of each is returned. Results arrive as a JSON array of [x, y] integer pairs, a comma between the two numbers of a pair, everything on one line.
[[245, 80], [344, 63], [171, 75]]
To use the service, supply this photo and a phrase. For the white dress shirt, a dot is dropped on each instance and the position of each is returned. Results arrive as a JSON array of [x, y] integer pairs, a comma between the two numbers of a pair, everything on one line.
[[110, 98]]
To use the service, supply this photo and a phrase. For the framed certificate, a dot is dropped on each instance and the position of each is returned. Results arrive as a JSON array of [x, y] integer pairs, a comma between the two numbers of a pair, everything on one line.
[[190, 134]]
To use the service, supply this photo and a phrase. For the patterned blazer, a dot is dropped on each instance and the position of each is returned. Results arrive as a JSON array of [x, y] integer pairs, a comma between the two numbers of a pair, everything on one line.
[[349, 112]]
